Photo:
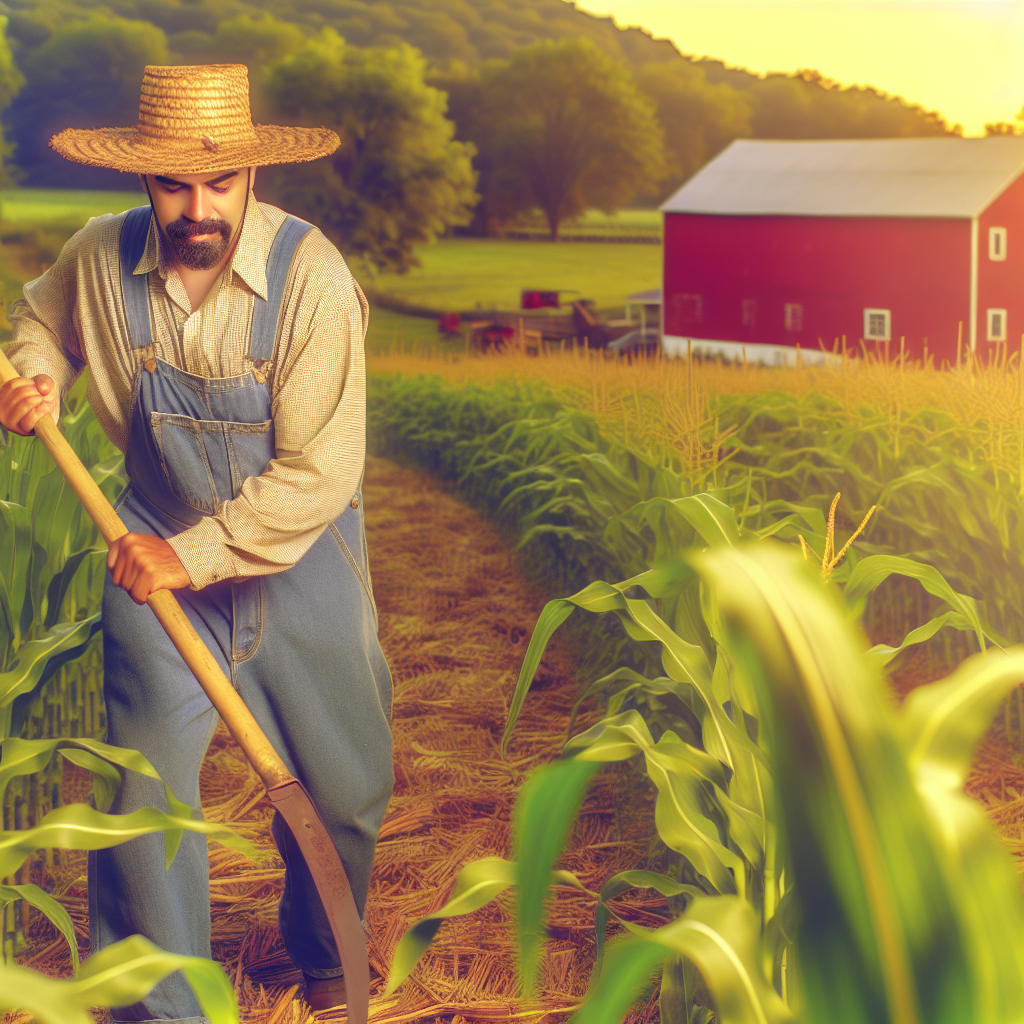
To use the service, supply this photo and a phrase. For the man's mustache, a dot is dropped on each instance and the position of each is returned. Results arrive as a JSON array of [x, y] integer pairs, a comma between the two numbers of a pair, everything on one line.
[[182, 230]]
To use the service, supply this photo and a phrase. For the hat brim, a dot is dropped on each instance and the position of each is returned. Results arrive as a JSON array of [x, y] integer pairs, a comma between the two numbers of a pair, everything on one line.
[[128, 149]]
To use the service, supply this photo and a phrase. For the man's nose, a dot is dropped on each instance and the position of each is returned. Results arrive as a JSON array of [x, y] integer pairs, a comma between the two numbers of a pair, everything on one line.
[[198, 204]]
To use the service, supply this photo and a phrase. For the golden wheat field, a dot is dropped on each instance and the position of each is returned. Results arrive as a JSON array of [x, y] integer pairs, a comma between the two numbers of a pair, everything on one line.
[[663, 403]]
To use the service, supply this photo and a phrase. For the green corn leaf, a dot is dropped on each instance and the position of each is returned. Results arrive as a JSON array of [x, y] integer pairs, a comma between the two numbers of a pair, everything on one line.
[[80, 827], [49, 907], [15, 550], [720, 935], [48, 1000], [620, 883], [119, 975], [109, 474], [124, 972], [883, 653], [25, 757], [551, 617], [866, 868], [713, 520], [35, 661], [55, 508], [106, 779], [940, 725], [942, 722], [683, 777], [475, 886], [545, 809], [61, 582], [870, 572]]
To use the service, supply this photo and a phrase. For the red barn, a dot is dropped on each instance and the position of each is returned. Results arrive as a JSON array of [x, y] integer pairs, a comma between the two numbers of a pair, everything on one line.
[[772, 244]]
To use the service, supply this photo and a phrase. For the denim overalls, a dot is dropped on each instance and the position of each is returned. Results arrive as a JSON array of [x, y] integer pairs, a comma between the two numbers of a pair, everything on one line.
[[300, 646]]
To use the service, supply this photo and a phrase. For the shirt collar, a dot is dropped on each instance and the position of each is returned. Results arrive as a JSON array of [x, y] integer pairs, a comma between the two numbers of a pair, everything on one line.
[[249, 260]]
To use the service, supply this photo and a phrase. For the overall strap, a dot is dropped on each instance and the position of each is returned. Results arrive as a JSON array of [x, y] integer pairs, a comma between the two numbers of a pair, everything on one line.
[[267, 314], [135, 287]]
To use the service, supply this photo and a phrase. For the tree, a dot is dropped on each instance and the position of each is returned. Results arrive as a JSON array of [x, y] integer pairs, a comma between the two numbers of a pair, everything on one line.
[[11, 80], [86, 75], [563, 127], [399, 178], [699, 119], [1007, 127], [807, 105], [255, 42]]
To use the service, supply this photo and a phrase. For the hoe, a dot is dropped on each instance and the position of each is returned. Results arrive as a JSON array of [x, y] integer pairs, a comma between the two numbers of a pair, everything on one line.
[[287, 793]]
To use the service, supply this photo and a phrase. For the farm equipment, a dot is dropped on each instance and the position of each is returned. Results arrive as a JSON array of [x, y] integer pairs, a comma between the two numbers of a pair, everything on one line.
[[528, 331]]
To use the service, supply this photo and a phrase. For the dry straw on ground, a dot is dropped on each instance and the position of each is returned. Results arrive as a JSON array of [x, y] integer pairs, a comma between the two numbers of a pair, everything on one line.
[[455, 619]]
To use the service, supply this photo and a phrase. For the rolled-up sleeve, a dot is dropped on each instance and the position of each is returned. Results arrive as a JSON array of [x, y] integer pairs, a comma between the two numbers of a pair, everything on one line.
[[319, 411], [44, 336]]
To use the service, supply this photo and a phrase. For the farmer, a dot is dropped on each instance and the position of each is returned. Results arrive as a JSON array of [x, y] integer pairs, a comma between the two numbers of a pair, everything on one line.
[[224, 341]]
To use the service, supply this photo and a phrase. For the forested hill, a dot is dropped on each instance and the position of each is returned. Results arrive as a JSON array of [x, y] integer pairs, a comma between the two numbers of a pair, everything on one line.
[[451, 32], [464, 98]]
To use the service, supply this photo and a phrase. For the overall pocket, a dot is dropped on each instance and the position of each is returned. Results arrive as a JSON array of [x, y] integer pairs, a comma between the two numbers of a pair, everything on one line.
[[183, 457], [206, 462]]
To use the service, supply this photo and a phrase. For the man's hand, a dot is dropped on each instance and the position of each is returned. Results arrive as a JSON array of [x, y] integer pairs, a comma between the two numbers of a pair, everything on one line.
[[142, 564], [24, 401]]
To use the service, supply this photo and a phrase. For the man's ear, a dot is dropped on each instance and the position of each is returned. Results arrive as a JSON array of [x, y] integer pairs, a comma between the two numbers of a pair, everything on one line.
[[252, 178]]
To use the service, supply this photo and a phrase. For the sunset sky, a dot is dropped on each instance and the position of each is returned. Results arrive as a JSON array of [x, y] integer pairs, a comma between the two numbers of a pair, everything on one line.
[[964, 58]]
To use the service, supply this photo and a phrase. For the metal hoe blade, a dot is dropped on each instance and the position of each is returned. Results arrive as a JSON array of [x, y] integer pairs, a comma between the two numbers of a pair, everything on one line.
[[292, 800]]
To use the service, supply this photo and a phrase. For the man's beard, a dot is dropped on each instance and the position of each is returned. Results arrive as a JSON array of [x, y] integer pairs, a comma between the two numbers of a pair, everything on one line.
[[199, 255]]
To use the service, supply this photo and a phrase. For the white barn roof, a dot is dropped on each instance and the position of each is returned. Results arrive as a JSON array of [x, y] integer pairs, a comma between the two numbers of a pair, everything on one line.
[[936, 177]]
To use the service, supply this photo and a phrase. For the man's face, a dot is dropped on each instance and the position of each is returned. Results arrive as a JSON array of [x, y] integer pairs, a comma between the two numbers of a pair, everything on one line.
[[199, 213]]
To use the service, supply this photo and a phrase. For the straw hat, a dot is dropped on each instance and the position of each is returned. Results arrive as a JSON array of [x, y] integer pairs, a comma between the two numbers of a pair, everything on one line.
[[193, 120]]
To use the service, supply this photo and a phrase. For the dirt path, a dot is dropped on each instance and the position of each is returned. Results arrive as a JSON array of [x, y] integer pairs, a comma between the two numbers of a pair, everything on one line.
[[455, 617]]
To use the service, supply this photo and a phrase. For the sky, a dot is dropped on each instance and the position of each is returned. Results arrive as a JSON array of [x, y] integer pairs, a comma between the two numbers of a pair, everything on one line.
[[964, 58]]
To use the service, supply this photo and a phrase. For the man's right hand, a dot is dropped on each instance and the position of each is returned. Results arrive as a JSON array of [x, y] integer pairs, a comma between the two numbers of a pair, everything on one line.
[[26, 400]]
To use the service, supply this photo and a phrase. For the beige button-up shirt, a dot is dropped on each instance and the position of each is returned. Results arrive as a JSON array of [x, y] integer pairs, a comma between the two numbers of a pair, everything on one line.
[[73, 316]]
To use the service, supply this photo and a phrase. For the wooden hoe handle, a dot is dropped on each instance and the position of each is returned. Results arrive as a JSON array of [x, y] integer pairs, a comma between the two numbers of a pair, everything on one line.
[[223, 696]]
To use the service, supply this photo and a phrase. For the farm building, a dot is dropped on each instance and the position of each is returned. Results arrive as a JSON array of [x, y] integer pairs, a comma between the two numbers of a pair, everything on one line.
[[779, 244]]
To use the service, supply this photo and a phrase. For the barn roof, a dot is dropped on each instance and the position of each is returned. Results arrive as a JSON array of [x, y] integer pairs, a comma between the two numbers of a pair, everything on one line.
[[944, 177]]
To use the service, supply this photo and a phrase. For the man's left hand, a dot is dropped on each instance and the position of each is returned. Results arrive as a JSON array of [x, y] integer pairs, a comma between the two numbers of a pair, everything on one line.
[[142, 564]]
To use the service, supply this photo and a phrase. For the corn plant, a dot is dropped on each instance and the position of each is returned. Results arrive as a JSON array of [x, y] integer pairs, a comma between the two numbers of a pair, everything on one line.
[[119, 975], [52, 561], [560, 465], [828, 854], [52, 565]]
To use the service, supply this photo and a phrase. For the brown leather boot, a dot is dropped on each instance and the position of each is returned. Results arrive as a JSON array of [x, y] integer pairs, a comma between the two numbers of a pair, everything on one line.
[[325, 993]]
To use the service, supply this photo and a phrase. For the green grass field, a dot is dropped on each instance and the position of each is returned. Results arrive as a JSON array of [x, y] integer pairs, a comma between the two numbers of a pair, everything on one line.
[[595, 224], [387, 329], [460, 274], [62, 206]]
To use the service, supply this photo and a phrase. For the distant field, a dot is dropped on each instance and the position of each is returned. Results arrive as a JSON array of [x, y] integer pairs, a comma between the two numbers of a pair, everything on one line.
[[388, 329], [631, 224], [460, 274], [62, 206]]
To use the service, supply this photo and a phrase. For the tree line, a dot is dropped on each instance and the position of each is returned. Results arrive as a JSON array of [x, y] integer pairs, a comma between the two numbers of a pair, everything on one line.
[[451, 112]]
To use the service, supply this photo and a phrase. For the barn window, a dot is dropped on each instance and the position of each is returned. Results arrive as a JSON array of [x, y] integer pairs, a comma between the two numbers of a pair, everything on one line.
[[689, 308], [877, 324], [794, 316], [996, 324], [748, 312], [997, 244]]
